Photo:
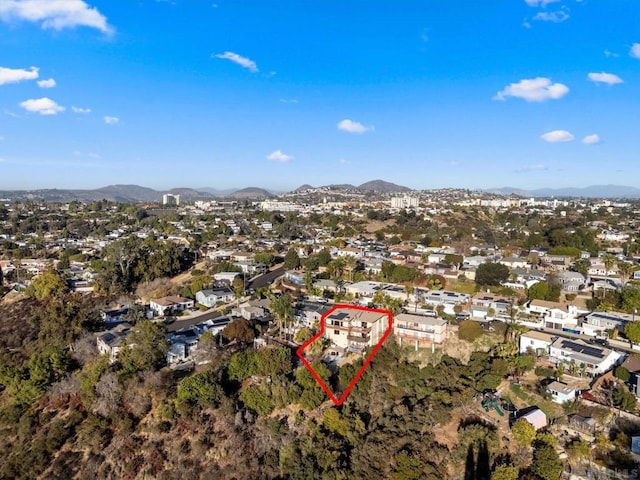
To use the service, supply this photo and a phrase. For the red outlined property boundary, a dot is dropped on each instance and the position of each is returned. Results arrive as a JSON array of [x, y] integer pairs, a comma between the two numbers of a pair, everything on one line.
[[300, 351]]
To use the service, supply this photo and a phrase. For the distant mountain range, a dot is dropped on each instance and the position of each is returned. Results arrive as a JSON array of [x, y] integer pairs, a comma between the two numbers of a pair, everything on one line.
[[136, 193], [379, 186], [593, 191]]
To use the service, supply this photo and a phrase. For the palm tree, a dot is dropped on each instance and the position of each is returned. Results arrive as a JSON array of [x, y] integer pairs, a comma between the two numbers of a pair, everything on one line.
[[560, 368], [624, 268], [609, 261], [282, 309]]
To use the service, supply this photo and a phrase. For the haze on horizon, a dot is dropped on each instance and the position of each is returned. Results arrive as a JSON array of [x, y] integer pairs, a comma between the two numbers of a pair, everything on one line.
[[427, 94]]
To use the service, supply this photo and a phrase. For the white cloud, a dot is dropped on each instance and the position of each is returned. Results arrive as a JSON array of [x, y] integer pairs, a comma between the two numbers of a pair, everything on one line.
[[55, 14], [240, 60], [540, 3], [43, 106], [591, 139], [635, 50], [278, 156], [609, 54], [289, 100], [15, 75], [558, 16], [111, 120], [80, 109], [49, 83], [533, 90], [352, 126], [556, 136], [603, 77]]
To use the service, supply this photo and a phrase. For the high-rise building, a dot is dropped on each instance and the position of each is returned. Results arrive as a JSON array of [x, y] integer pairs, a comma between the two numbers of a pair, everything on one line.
[[170, 199]]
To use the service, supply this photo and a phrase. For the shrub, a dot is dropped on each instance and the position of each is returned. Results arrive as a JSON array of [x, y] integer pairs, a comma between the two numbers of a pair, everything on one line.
[[469, 331]]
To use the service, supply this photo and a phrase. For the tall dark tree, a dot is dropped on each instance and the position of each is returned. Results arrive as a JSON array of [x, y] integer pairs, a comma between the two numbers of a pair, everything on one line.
[[291, 260], [492, 274]]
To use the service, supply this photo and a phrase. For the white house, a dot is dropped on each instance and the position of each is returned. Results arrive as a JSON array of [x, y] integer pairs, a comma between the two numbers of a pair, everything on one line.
[[539, 342], [355, 329], [596, 359], [209, 298], [170, 305], [110, 342], [419, 331], [561, 392], [596, 323]]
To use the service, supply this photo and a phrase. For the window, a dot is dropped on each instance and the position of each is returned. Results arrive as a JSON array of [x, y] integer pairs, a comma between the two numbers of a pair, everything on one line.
[[363, 324], [336, 332]]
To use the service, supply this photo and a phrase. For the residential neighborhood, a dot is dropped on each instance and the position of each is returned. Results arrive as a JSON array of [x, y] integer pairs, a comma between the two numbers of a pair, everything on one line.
[[459, 276]]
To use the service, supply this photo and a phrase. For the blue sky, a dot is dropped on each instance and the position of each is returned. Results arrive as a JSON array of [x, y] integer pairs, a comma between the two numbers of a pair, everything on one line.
[[221, 93]]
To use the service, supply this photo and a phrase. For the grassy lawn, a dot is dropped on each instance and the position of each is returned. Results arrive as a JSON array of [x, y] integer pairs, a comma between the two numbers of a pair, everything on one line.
[[462, 287], [550, 409]]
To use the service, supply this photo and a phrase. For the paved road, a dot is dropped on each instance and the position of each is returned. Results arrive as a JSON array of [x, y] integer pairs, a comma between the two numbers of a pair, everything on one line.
[[266, 279], [187, 322]]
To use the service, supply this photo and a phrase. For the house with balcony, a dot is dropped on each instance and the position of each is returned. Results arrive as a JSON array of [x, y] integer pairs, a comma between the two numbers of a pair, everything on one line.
[[419, 331], [556, 315], [355, 330]]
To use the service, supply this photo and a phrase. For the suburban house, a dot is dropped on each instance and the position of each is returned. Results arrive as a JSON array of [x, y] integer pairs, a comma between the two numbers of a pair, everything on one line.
[[597, 323], [115, 314], [110, 342], [355, 330], [596, 359], [419, 331], [210, 298], [183, 343], [364, 289], [226, 277], [445, 298], [310, 313], [571, 281], [556, 315], [170, 305], [248, 311], [324, 284], [561, 392], [514, 262], [373, 265], [538, 342]]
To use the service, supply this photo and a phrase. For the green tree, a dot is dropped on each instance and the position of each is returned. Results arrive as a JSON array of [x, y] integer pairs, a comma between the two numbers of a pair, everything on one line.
[[631, 299], [197, 392], [240, 330], [546, 462], [324, 257], [145, 348], [505, 472], [291, 260], [582, 266], [538, 291], [624, 399], [632, 332], [258, 399], [49, 284], [491, 274], [622, 373], [408, 467], [579, 449], [266, 258], [282, 309], [523, 432]]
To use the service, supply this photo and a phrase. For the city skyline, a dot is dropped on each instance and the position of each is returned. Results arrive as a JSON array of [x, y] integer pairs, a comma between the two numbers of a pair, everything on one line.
[[524, 93]]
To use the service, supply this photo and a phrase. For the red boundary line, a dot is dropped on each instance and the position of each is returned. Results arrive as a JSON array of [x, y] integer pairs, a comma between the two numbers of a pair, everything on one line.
[[299, 352]]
